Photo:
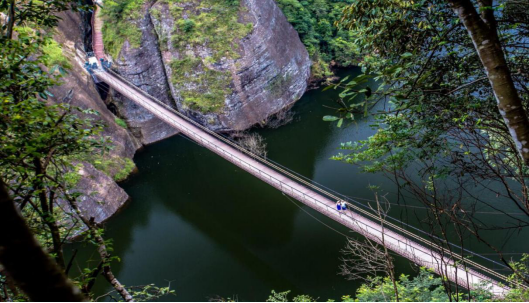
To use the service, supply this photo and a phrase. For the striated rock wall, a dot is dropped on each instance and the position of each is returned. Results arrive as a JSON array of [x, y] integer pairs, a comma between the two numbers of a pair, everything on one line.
[[262, 73], [272, 72], [102, 197]]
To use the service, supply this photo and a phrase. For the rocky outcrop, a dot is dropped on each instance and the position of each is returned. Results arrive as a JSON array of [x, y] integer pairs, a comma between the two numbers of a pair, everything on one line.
[[273, 70], [104, 196], [263, 72], [101, 196], [143, 67], [69, 35]]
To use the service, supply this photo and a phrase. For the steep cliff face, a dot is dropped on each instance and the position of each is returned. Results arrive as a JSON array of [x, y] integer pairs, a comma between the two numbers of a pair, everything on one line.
[[143, 66], [230, 67], [246, 64], [104, 196]]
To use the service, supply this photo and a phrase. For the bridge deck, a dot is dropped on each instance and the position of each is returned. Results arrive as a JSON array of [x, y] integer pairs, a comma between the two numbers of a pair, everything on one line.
[[394, 241], [401, 245]]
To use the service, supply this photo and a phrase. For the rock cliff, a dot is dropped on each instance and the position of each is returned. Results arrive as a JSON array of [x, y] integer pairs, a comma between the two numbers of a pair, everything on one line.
[[143, 66], [228, 67], [104, 196]]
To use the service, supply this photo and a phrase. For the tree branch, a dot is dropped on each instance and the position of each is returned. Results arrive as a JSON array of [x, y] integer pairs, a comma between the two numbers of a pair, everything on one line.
[[25, 261]]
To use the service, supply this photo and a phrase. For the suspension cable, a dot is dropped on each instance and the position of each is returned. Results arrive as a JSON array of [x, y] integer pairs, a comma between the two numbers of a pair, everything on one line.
[[296, 177]]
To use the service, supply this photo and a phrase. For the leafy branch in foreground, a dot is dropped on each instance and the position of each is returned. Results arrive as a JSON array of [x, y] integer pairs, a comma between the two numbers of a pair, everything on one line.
[[43, 142], [441, 129]]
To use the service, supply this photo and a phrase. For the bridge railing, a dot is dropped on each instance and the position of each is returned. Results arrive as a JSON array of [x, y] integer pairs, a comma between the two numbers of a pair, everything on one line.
[[411, 250]]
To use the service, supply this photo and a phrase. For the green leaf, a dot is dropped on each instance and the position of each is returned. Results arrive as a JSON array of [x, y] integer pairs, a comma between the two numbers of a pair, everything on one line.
[[43, 96], [329, 87], [340, 122], [330, 118]]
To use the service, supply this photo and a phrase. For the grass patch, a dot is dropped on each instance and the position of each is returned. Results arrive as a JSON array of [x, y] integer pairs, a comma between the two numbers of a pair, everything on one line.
[[121, 122], [213, 24], [127, 168], [201, 88], [73, 177], [118, 17], [117, 168], [53, 55]]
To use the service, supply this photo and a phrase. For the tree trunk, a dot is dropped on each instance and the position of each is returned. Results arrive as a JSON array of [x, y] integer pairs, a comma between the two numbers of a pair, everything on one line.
[[103, 253], [482, 30], [47, 213], [25, 261], [10, 19]]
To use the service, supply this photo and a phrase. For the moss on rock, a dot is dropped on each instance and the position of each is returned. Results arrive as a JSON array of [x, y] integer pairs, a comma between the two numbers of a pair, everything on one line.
[[211, 25], [119, 18]]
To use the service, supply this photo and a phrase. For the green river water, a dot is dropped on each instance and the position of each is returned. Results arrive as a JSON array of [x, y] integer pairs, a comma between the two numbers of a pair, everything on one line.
[[212, 229]]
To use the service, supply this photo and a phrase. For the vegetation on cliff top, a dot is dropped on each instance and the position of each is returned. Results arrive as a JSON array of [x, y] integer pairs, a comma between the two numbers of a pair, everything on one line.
[[209, 24], [215, 25], [314, 21], [197, 24], [119, 25]]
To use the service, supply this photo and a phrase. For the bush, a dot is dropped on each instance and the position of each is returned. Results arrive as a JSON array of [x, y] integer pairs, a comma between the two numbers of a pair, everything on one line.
[[252, 142], [53, 55], [118, 26], [127, 168], [186, 25]]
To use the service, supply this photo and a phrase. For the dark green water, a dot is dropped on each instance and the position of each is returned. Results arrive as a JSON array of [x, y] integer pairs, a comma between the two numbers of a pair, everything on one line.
[[214, 230]]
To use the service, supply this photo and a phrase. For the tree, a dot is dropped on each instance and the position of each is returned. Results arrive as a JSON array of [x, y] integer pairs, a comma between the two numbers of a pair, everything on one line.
[[483, 31], [440, 135], [39, 140], [41, 14], [313, 20], [42, 141], [366, 259]]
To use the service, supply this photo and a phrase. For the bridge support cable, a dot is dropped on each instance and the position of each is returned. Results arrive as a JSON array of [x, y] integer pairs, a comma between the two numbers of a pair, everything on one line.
[[308, 193], [349, 200], [460, 259]]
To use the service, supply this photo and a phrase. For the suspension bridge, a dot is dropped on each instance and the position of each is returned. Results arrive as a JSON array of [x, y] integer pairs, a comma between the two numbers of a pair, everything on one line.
[[421, 251]]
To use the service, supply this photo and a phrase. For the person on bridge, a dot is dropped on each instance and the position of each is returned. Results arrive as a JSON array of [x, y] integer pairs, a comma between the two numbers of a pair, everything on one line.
[[105, 64], [338, 205], [344, 205]]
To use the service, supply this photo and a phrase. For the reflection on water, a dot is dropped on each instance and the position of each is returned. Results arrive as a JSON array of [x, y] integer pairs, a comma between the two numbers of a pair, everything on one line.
[[212, 229]]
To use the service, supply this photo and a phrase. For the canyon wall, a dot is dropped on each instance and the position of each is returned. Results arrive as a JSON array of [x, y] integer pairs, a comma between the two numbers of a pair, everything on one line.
[[229, 68], [227, 74], [102, 195]]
